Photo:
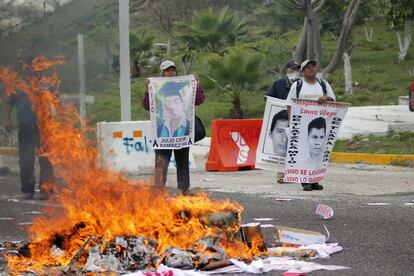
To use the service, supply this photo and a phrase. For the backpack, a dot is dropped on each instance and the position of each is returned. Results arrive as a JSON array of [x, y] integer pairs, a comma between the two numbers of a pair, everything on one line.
[[300, 83]]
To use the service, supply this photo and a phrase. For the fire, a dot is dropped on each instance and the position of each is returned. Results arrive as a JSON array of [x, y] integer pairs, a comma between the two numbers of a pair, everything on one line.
[[97, 202]]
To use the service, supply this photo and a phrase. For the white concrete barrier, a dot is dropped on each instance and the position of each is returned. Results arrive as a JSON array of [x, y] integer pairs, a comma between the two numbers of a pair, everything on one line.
[[126, 147]]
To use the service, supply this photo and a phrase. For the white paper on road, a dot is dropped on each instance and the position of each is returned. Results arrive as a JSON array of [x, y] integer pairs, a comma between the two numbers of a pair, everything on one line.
[[283, 199], [409, 204], [208, 180], [34, 213], [263, 219], [6, 218], [267, 225], [275, 263], [25, 223], [378, 204], [325, 211]]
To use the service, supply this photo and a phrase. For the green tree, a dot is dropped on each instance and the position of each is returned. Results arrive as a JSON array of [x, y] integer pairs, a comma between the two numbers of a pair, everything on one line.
[[400, 13], [140, 46], [212, 31], [236, 75]]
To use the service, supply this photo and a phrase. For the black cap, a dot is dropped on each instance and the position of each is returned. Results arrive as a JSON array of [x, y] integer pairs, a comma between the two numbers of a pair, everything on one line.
[[293, 65]]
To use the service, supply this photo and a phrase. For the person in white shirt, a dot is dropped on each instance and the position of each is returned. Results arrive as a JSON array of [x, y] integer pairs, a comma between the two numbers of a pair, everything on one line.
[[310, 87]]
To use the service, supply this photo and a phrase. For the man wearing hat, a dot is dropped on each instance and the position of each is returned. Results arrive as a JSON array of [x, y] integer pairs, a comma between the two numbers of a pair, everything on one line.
[[163, 156], [310, 87], [280, 88]]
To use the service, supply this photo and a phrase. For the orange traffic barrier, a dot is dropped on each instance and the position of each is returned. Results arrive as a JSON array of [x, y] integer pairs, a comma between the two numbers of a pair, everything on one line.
[[233, 145]]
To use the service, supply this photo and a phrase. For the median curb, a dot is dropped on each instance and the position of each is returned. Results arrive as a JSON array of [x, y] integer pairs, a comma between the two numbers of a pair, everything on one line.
[[373, 159], [9, 150]]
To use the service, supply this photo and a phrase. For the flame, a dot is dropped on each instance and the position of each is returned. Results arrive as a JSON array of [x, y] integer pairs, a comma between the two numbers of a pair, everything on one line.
[[95, 201]]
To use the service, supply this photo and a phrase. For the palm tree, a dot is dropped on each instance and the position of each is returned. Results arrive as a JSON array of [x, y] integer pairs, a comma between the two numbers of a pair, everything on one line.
[[213, 32], [140, 47], [236, 75]]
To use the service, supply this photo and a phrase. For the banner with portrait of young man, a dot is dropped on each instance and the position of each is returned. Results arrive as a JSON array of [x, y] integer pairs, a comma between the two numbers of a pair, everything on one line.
[[313, 131], [171, 101], [271, 150]]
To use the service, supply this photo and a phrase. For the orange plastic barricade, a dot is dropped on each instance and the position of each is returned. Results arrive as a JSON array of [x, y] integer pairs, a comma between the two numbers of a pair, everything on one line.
[[233, 145]]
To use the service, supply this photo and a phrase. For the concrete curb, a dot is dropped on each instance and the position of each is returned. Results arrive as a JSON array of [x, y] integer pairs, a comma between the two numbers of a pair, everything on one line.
[[374, 159], [9, 150]]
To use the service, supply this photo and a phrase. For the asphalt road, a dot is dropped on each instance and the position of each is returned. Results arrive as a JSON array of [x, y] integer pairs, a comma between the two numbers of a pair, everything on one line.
[[377, 240]]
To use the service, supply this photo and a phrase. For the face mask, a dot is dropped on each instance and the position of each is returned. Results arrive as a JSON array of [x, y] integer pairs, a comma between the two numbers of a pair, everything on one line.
[[293, 76]]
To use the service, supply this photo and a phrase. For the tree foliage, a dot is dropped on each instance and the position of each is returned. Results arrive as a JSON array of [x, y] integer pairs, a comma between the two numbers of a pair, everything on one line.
[[236, 75], [167, 12], [140, 45], [14, 15], [213, 31], [398, 11]]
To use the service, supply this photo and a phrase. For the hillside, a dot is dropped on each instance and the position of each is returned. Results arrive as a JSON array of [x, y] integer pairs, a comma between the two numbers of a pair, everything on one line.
[[378, 77]]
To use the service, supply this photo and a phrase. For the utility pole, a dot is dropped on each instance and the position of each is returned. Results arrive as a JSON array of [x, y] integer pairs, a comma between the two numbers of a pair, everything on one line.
[[82, 86], [125, 75]]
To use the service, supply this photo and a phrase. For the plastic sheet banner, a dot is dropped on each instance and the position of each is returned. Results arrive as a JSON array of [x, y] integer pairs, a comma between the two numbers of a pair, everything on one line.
[[171, 101], [313, 131], [271, 151]]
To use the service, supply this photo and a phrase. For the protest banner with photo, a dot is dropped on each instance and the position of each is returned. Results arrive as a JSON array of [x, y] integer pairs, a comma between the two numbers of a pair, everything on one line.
[[271, 151], [172, 110], [313, 131]]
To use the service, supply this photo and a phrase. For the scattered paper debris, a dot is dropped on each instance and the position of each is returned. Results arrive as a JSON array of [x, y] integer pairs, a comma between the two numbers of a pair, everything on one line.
[[263, 219], [267, 225], [12, 200], [6, 218], [25, 223], [325, 211], [327, 232], [408, 203], [34, 213], [378, 204], [281, 263], [251, 224], [208, 180], [283, 199]]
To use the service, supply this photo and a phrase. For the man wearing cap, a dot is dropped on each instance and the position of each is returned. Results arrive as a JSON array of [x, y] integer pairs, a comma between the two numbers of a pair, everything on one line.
[[163, 156], [310, 87], [280, 88]]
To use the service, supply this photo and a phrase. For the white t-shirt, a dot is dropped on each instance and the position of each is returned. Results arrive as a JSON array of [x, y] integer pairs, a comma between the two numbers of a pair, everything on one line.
[[309, 91]]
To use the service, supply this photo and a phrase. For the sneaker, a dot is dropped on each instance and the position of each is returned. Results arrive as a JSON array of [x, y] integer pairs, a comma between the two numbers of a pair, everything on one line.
[[317, 186], [28, 195], [279, 177], [307, 187]]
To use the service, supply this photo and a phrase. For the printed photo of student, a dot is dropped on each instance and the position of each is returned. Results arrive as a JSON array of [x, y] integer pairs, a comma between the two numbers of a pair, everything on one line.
[[316, 140], [277, 133], [172, 119]]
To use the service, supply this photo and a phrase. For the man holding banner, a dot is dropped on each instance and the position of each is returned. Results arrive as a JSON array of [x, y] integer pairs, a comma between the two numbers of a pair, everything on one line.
[[309, 169], [170, 100]]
